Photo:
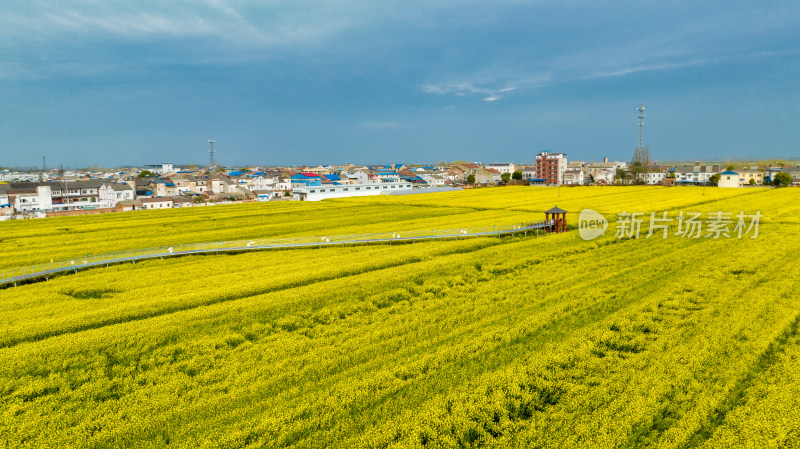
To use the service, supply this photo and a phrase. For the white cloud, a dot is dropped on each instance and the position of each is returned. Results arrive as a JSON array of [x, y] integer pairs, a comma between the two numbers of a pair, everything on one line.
[[622, 71], [137, 24], [237, 22], [488, 84]]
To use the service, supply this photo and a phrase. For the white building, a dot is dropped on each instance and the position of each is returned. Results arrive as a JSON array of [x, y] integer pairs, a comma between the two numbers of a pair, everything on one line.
[[695, 174], [604, 176], [265, 182], [503, 168], [357, 177], [653, 177], [263, 195], [160, 169], [317, 193], [9, 176], [573, 177], [112, 193], [5, 205], [729, 178], [32, 199], [433, 180], [528, 172], [156, 203], [285, 184]]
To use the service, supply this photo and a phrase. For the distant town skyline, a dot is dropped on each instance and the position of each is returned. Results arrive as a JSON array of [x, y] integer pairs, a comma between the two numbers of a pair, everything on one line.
[[292, 83]]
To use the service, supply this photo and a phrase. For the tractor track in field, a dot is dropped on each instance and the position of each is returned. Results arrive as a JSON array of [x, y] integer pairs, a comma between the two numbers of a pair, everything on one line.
[[737, 395]]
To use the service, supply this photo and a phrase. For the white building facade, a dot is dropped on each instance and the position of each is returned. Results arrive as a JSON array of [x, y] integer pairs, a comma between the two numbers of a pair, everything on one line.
[[502, 167], [318, 193], [573, 177]]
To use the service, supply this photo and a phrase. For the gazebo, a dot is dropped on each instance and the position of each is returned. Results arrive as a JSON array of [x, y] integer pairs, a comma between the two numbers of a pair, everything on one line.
[[556, 219]]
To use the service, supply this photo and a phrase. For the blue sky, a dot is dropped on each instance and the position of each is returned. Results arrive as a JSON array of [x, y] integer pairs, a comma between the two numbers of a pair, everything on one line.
[[301, 82]]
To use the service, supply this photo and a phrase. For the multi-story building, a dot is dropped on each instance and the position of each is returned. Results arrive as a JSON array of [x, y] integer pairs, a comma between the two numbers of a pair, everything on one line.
[[653, 174], [573, 177], [503, 168], [603, 176], [113, 193], [551, 167], [605, 166], [653, 177], [794, 172], [190, 183], [162, 188], [160, 169], [487, 176], [76, 195], [26, 197], [528, 172], [729, 178], [753, 173], [695, 174]]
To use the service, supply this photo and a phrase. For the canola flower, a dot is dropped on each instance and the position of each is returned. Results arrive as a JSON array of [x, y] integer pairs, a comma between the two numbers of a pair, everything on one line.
[[548, 342]]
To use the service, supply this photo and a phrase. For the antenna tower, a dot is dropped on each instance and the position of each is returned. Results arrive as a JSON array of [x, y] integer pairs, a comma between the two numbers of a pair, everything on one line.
[[211, 151], [641, 127], [641, 157]]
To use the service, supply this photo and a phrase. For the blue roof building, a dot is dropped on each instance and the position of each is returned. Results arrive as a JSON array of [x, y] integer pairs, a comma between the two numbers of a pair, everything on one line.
[[306, 179]]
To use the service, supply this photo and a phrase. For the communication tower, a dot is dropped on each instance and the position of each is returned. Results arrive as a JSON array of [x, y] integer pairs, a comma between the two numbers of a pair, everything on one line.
[[211, 151]]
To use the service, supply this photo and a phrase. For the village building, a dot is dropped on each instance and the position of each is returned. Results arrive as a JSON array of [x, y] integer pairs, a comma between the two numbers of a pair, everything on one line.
[[573, 177], [317, 193], [551, 167], [503, 167], [729, 178], [128, 205], [156, 203], [695, 174], [745, 175]]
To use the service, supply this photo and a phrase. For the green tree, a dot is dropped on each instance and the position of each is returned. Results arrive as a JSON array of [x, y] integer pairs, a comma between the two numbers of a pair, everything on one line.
[[471, 179], [752, 181], [147, 174], [782, 180], [517, 175], [505, 177], [714, 179], [731, 167]]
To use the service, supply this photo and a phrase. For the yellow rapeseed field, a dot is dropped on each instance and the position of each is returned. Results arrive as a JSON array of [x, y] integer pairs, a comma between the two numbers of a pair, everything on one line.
[[550, 341]]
